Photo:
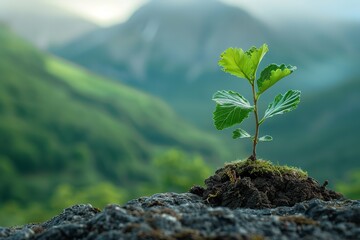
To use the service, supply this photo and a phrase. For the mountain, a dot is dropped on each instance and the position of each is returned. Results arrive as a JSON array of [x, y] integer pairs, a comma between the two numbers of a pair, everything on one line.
[[43, 23], [173, 35], [171, 48], [62, 124]]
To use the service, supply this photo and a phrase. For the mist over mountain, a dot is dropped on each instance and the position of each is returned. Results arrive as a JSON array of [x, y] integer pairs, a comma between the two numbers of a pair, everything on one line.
[[169, 50], [170, 33], [42, 23]]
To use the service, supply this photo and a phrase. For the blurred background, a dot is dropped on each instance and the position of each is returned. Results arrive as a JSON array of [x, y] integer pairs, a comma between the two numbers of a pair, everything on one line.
[[102, 101]]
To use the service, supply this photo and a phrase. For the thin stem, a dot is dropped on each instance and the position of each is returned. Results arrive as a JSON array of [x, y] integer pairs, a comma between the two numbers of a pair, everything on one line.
[[255, 141]]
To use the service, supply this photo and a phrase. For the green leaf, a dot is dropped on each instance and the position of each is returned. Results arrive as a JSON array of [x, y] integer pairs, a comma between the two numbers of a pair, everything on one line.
[[240, 133], [242, 64], [266, 138], [231, 108], [271, 75], [282, 104]]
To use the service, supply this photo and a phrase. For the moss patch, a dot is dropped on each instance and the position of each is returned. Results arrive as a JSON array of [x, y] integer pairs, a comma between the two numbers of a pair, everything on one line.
[[260, 184], [262, 167]]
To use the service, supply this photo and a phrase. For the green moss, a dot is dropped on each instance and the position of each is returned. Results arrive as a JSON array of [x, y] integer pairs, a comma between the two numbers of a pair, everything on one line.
[[264, 167]]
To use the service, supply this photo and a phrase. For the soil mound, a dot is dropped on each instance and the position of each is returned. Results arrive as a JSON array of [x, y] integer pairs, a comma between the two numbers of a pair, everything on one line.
[[260, 184]]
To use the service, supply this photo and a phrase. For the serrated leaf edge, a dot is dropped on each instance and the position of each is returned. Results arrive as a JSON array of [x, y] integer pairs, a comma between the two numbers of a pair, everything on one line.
[[296, 100], [282, 67], [222, 105]]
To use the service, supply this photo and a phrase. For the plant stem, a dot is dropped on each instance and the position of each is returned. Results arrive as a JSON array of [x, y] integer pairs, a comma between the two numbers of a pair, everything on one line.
[[255, 141]]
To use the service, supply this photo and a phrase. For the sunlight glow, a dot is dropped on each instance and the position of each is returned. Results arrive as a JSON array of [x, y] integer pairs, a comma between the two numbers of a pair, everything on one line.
[[105, 12]]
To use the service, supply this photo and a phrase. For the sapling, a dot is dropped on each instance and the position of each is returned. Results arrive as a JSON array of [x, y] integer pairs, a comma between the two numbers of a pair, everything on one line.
[[232, 108]]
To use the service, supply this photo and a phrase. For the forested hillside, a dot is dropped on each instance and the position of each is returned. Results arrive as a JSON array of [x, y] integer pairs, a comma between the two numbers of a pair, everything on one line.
[[60, 124]]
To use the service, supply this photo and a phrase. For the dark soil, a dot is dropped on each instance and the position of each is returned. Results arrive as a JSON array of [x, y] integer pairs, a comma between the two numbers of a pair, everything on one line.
[[247, 185]]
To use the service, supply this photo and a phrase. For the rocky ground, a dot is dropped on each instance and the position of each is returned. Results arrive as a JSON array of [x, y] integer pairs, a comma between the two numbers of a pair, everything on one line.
[[187, 216], [243, 200]]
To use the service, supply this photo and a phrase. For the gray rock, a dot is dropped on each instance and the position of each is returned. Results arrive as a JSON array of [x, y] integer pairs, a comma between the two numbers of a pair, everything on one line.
[[186, 216]]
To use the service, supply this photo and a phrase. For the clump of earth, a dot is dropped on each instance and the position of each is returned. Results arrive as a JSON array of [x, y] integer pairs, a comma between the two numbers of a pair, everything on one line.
[[260, 184]]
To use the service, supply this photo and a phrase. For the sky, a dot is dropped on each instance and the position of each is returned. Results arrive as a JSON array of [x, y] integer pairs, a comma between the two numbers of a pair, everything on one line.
[[343, 9], [102, 12], [109, 12]]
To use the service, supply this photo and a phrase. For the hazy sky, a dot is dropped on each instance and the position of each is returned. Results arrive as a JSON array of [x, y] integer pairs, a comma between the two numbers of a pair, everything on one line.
[[103, 12], [107, 12], [283, 9]]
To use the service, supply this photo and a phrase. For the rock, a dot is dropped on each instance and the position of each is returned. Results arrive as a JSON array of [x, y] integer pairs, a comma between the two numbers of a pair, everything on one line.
[[171, 216]]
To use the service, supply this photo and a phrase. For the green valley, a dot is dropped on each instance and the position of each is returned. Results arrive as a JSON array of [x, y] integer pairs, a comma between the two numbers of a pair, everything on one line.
[[64, 130]]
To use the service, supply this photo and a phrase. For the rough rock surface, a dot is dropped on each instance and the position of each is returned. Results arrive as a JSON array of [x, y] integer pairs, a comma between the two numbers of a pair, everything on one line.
[[185, 216]]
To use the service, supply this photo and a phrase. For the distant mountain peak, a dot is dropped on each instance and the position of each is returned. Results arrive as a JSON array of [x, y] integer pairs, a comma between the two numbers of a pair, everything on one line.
[[171, 34]]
